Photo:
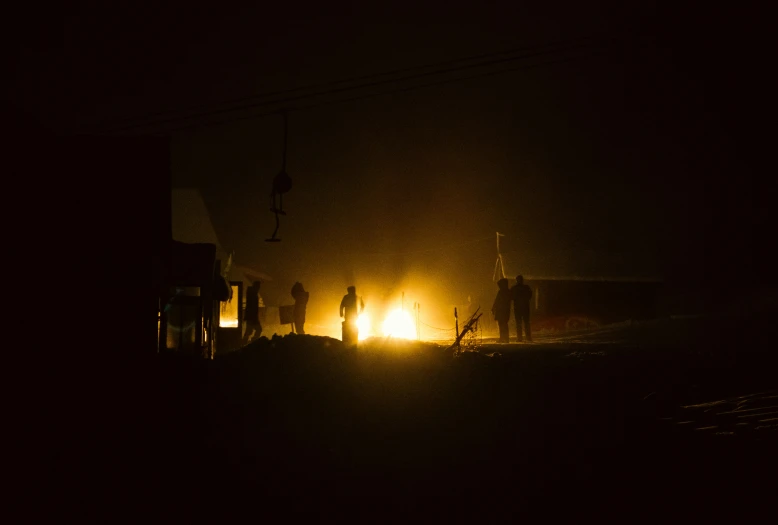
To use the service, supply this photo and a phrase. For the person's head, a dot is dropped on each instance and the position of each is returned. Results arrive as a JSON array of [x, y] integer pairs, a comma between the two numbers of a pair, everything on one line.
[[255, 285], [352, 289], [520, 279], [502, 284]]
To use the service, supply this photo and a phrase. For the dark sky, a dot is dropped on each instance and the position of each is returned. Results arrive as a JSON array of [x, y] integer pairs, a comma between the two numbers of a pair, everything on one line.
[[644, 158]]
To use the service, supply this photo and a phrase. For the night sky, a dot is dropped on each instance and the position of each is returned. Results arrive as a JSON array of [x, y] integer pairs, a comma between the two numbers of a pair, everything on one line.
[[645, 157]]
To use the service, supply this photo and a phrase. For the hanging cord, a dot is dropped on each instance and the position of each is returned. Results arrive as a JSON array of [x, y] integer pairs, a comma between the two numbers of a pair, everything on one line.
[[281, 183], [436, 328]]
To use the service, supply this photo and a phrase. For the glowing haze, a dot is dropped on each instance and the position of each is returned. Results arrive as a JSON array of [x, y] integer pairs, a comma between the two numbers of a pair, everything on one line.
[[399, 324]]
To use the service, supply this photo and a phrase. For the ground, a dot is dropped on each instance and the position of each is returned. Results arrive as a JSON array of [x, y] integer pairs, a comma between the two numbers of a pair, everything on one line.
[[673, 417]]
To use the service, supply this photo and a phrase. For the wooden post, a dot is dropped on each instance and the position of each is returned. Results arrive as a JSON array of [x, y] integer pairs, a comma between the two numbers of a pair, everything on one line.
[[469, 326], [456, 325]]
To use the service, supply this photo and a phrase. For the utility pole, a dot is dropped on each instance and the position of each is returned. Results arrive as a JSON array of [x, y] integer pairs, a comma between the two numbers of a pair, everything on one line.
[[498, 263]]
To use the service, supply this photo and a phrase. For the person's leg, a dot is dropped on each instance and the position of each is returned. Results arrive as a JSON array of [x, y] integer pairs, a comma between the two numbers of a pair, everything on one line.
[[350, 333], [503, 331], [517, 316], [247, 334], [525, 318], [253, 331]]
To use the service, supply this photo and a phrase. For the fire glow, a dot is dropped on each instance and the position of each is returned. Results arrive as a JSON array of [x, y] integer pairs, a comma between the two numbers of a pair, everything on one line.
[[398, 324], [363, 325]]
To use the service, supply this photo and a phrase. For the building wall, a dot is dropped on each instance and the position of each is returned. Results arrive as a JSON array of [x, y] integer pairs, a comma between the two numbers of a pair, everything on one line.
[[602, 301]]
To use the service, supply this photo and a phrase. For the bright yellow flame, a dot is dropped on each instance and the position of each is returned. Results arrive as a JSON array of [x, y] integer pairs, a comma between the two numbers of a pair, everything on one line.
[[363, 325], [399, 323], [228, 317]]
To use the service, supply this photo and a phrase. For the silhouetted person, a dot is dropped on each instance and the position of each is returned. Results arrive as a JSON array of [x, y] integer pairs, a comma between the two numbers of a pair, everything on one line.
[[300, 304], [251, 314], [350, 308], [521, 295], [502, 309]]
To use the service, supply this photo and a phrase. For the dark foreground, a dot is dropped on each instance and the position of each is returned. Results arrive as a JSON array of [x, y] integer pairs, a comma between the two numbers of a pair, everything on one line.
[[592, 426]]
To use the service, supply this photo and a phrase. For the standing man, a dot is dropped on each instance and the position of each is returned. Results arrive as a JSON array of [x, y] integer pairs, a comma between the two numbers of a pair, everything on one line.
[[350, 308], [521, 295], [251, 314], [501, 309], [300, 304]]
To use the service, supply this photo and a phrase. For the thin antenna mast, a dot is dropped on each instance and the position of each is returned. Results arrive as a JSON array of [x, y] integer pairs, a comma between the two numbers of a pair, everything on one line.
[[499, 263]]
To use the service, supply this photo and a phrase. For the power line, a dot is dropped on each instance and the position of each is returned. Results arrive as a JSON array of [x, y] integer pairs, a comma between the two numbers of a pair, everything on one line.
[[427, 250], [371, 95], [288, 100], [548, 47], [436, 328]]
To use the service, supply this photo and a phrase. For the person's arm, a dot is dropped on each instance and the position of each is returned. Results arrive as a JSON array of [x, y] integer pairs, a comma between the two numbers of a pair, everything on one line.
[[341, 308]]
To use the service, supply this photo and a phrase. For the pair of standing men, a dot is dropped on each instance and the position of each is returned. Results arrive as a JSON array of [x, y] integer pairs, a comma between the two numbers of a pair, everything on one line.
[[520, 295]]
